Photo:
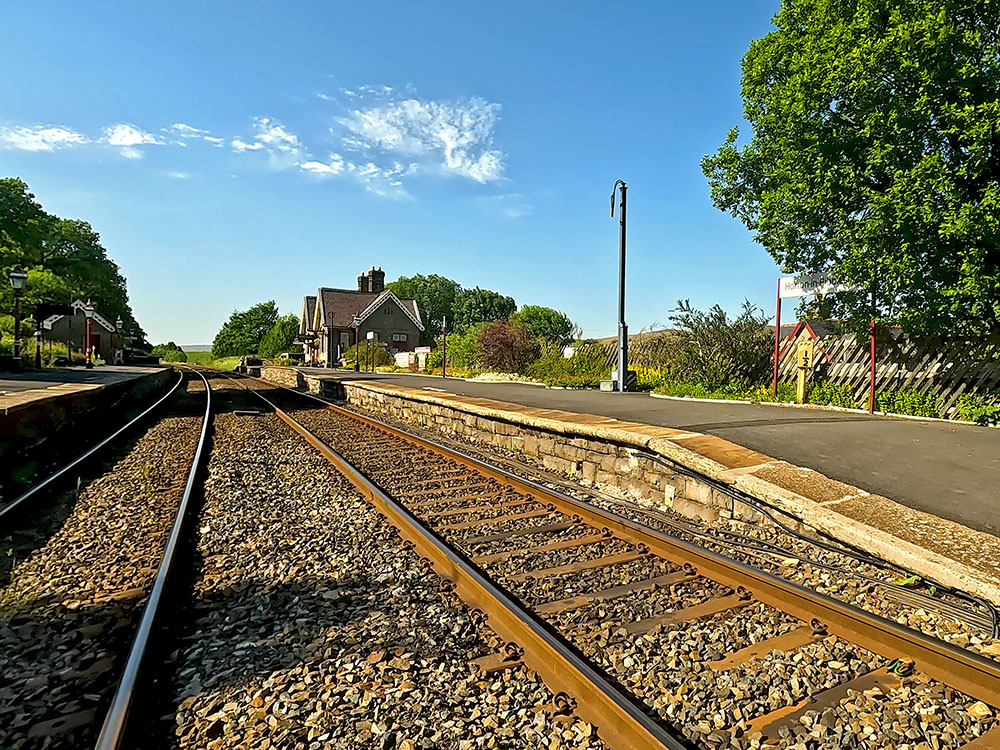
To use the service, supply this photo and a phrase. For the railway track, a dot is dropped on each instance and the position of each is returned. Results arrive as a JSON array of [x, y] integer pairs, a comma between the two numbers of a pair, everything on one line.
[[85, 574], [657, 641]]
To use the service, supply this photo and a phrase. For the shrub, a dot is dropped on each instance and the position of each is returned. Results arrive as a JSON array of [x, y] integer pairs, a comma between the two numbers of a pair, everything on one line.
[[984, 409], [908, 402], [464, 351], [382, 356], [826, 393], [716, 350], [565, 380], [648, 378], [506, 347], [170, 352], [586, 366]]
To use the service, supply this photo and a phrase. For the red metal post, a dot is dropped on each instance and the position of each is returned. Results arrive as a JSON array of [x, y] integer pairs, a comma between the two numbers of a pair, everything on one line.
[[90, 361], [777, 338], [871, 386], [444, 347]]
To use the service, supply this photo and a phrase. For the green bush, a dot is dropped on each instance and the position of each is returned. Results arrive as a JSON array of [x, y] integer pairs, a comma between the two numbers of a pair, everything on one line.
[[574, 381], [908, 402], [733, 391], [382, 356], [586, 366], [826, 393], [984, 409]]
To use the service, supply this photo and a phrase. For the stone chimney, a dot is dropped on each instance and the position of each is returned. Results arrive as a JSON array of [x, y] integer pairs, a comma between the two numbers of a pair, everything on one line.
[[373, 280]]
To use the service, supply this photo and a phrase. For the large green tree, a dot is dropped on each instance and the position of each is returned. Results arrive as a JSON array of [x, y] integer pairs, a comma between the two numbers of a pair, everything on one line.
[[281, 337], [875, 155], [435, 296], [64, 258], [243, 332], [546, 323], [481, 306]]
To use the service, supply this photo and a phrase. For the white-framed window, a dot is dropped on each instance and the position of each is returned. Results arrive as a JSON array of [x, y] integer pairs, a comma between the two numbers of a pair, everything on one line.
[[388, 309], [399, 338]]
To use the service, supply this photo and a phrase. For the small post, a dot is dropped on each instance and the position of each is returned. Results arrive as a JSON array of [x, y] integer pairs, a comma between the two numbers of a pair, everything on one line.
[[329, 340], [17, 278], [38, 347], [444, 346], [622, 326], [777, 340], [871, 356], [357, 345]]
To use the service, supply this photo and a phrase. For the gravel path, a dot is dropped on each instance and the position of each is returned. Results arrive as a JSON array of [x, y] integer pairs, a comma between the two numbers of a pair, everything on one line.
[[76, 585], [313, 628]]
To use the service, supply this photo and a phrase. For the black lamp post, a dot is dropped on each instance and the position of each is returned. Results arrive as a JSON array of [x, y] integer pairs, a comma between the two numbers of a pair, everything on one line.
[[622, 327], [88, 312], [329, 339], [17, 279]]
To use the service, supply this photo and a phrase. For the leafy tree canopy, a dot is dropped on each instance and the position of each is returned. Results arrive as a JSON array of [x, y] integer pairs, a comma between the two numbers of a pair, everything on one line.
[[875, 154], [481, 306], [546, 323], [281, 337], [170, 352], [64, 258], [243, 332], [435, 296]]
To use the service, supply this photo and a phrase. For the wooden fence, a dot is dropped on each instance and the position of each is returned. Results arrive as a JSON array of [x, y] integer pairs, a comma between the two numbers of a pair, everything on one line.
[[942, 369]]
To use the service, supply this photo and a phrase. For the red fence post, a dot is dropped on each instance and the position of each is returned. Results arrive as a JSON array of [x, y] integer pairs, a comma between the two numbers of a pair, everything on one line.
[[777, 338]]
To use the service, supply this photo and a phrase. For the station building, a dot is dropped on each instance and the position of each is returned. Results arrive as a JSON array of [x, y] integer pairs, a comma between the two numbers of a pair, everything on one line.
[[72, 331], [333, 319]]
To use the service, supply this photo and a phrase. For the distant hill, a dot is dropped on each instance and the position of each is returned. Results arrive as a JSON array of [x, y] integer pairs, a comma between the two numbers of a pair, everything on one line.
[[196, 347]]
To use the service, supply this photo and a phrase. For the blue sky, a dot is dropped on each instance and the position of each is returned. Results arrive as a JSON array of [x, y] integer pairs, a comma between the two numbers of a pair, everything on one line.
[[230, 153]]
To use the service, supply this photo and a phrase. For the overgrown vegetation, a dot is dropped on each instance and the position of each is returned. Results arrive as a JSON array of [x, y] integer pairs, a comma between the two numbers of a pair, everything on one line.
[[280, 338], [824, 393], [983, 409], [908, 402]]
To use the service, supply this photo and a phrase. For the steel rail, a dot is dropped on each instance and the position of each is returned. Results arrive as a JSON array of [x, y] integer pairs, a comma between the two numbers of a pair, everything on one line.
[[620, 721], [962, 670], [113, 730], [9, 509]]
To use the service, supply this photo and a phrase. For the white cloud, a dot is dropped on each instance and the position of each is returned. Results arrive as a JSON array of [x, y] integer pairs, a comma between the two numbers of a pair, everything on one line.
[[127, 137], [281, 145], [188, 131], [215, 141], [454, 137], [335, 166], [39, 138], [510, 205], [178, 175]]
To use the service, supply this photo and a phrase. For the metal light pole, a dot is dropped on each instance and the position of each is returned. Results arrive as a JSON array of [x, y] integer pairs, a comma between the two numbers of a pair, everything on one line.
[[329, 339], [88, 312], [17, 279], [622, 326], [357, 345], [38, 347], [444, 346]]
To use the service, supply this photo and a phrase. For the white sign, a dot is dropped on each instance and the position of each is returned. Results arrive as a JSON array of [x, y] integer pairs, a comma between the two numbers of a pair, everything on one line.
[[806, 284], [371, 335]]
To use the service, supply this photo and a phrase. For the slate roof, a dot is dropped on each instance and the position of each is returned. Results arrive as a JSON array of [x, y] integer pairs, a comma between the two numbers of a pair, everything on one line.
[[347, 304], [308, 312]]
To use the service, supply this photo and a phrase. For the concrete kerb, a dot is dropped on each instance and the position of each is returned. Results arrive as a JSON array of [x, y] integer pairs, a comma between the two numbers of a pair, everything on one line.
[[741, 475]]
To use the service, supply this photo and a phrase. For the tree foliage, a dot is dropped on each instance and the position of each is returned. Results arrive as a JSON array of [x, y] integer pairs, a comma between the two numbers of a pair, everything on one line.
[[64, 258], [281, 337], [435, 296], [170, 352], [875, 155], [243, 332], [546, 323], [481, 306], [506, 347]]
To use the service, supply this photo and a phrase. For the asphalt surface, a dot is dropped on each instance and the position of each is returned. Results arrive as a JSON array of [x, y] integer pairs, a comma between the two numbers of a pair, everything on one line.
[[28, 381], [949, 470]]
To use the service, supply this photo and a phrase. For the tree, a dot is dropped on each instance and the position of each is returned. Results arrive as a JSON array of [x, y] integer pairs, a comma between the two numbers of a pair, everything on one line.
[[435, 296], [170, 352], [546, 323], [64, 258], [280, 338], [875, 155], [506, 347], [244, 331], [481, 306]]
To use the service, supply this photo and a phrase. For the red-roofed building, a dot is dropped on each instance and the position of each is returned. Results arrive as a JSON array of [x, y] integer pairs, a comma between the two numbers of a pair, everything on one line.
[[333, 318]]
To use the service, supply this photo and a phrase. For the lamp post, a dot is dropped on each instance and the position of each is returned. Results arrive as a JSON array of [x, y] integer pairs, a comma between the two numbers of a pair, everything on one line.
[[38, 347], [357, 345], [17, 279], [370, 353], [622, 327], [119, 355], [88, 311], [329, 339]]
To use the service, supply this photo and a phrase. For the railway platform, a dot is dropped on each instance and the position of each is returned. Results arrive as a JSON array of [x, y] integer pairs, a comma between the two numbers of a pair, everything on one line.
[[888, 484], [20, 390]]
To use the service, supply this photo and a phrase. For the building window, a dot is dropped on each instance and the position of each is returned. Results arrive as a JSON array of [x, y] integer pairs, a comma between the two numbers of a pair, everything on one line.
[[399, 338], [388, 309]]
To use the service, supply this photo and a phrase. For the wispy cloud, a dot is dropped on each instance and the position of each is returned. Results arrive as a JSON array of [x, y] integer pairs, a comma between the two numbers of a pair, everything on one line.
[[178, 175], [283, 147], [128, 137], [39, 138], [510, 205], [452, 138], [334, 166]]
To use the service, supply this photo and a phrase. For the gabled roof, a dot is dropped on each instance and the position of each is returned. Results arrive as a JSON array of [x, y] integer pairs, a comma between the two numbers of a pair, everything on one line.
[[308, 311], [78, 307], [348, 304]]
